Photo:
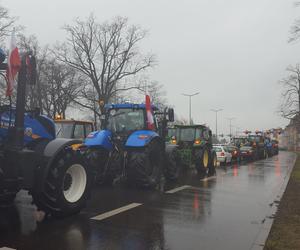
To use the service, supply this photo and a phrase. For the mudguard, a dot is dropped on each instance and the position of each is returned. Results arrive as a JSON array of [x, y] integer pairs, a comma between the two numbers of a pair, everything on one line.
[[52, 149], [140, 138], [99, 138]]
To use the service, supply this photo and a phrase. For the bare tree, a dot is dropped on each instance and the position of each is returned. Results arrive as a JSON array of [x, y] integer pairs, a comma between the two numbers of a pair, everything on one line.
[[34, 92], [56, 83], [157, 94], [59, 88], [104, 55], [291, 93], [6, 23]]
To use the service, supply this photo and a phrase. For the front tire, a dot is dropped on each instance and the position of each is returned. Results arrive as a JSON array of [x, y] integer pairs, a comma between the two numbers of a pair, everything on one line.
[[145, 165], [67, 186]]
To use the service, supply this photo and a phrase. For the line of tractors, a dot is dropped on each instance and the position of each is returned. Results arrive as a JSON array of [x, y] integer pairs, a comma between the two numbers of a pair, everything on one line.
[[59, 171]]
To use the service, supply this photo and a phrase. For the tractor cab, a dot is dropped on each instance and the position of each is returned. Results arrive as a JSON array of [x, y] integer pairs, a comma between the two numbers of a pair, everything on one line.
[[122, 118], [191, 135], [194, 144], [239, 141], [131, 145], [73, 129]]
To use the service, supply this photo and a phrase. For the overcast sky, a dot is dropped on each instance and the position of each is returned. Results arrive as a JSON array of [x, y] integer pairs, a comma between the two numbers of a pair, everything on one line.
[[233, 52]]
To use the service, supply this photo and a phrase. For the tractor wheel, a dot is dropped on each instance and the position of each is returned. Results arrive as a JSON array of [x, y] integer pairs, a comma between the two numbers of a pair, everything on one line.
[[9, 185], [202, 161], [212, 164], [145, 165], [172, 167], [97, 160], [8, 190], [67, 185]]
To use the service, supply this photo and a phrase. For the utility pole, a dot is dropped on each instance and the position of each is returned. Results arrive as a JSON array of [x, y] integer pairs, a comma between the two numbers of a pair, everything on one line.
[[216, 111], [230, 119], [190, 105]]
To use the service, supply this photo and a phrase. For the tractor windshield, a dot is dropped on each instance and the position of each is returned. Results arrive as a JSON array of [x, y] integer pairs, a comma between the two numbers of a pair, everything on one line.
[[124, 120], [255, 138], [64, 130], [187, 134]]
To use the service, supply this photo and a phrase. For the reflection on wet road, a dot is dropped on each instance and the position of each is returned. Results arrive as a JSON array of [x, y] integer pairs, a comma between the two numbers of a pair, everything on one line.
[[229, 211]]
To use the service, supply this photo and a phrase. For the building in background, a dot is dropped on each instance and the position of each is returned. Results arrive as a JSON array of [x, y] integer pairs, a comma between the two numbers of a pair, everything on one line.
[[290, 138]]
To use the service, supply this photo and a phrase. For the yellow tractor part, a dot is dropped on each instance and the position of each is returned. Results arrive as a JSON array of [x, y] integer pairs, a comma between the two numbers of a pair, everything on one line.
[[76, 146], [205, 159]]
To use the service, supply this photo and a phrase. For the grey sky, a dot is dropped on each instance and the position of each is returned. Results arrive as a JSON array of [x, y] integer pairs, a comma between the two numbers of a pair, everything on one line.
[[233, 52]]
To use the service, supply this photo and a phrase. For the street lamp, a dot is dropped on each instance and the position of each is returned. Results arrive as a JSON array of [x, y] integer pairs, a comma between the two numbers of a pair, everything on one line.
[[230, 119], [190, 104], [216, 111]]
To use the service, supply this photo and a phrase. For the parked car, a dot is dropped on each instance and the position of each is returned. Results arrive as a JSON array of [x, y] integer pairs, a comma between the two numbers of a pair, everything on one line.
[[223, 155], [235, 152], [247, 153]]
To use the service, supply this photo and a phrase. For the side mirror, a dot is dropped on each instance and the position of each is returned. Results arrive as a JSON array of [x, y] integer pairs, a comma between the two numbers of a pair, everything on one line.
[[171, 115]]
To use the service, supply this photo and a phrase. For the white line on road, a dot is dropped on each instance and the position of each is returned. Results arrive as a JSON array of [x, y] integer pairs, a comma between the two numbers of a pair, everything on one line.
[[6, 248], [172, 191], [209, 178], [116, 211]]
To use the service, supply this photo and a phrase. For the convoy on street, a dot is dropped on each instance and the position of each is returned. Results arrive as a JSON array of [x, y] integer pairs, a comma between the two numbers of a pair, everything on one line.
[[58, 161]]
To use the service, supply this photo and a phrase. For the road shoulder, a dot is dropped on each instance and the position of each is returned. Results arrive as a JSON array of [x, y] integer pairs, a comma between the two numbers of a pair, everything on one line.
[[284, 234]]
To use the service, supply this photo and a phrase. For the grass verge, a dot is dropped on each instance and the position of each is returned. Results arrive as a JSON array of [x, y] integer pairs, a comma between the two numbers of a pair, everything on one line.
[[285, 231]]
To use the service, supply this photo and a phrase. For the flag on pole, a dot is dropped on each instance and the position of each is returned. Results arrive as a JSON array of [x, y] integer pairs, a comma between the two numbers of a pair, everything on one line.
[[150, 120], [13, 65]]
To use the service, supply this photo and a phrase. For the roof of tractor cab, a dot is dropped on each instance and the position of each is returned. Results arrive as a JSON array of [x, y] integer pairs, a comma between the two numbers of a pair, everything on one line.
[[128, 106], [190, 126], [72, 121]]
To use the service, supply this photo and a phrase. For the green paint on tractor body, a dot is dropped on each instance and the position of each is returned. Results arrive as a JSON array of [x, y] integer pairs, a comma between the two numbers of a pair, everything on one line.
[[189, 139]]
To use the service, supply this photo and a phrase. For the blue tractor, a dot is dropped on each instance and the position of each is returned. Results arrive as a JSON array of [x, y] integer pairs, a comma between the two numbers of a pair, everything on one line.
[[31, 158], [127, 147]]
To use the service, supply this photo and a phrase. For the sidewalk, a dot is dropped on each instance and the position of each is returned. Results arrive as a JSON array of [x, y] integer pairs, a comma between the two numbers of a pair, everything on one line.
[[285, 232]]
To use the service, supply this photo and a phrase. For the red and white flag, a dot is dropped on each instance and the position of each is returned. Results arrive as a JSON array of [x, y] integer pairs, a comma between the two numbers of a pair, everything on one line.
[[150, 120], [13, 65]]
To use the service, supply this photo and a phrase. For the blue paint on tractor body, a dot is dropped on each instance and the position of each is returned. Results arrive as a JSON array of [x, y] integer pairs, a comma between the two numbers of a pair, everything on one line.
[[100, 138], [128, 106], [140, 138], [34, 128]]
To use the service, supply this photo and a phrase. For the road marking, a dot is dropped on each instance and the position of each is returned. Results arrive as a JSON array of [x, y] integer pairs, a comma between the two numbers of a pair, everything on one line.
[[209, 178], [6, 248], [116, 211], [172, 191]]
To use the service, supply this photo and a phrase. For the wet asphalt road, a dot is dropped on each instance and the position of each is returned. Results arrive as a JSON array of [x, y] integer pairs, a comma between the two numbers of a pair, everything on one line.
[[230, 211]]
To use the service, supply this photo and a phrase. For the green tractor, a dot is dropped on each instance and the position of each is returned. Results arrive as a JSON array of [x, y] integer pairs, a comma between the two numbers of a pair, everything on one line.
[[194, 146]]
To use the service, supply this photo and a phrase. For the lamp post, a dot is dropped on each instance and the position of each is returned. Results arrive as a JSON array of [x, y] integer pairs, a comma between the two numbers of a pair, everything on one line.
[[216, 111], [230, 119], [190, 105]]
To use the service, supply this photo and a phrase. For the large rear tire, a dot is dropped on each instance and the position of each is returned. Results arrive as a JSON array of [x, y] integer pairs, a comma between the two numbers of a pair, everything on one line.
[[212, 164], [9, 182], [97, 159], [145, 165], [67, 185], [172, 166], [202, 158]]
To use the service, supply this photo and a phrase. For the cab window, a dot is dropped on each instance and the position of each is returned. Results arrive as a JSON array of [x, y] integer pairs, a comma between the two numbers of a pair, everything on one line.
[[88, 129], [79, 131]]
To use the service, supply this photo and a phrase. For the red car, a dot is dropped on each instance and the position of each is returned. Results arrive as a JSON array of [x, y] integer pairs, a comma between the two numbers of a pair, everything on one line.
[[247, 153]]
